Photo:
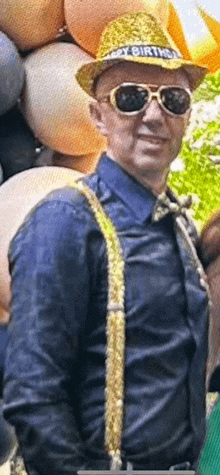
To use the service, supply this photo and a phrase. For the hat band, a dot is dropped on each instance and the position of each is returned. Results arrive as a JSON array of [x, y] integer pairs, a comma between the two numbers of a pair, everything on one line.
[[145, 51]]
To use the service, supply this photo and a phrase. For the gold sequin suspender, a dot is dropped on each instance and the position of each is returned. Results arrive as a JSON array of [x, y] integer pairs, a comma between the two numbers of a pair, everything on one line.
[[115, 329]]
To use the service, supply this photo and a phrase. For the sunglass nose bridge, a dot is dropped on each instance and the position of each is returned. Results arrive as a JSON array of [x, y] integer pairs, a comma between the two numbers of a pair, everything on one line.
[[154, 95], [153, 108], [154, 92]]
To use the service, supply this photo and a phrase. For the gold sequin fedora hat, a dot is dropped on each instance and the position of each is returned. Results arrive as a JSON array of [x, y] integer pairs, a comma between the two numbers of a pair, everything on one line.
[[140, 38]]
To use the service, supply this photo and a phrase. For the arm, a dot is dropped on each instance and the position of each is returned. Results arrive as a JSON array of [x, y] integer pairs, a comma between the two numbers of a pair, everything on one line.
[[209, 249], [49, 305], [213, 274]]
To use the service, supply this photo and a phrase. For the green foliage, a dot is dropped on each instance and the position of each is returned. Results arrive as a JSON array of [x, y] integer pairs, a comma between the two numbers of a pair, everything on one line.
[[201, 176], [209, 88], [201, 179], [208, 132]]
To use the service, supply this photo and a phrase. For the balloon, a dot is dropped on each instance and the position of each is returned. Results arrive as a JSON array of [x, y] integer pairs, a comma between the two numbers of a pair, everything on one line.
[[31, 23], [207, 50], [86, 20], [175, 30], [11, 74], [207, 53], [17, 144], [55, 106], [17, 197], [200, 29], [81, 163], [212, 24]]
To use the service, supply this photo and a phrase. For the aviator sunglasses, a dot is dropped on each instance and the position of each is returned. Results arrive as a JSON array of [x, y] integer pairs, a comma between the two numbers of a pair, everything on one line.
[[131, 98]]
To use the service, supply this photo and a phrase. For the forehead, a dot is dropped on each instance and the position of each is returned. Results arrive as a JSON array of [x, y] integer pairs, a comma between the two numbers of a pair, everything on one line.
[[140, 73]]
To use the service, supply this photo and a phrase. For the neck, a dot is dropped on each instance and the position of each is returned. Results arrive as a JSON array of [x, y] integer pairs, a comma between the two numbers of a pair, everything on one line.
[[153, 180], [157, 184]]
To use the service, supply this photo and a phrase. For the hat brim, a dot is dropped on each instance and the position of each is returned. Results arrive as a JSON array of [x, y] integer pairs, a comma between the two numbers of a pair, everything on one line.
[[89, 72]]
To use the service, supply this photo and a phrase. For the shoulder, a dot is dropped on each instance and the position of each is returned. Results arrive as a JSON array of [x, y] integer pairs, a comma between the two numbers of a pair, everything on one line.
[[64, 213]]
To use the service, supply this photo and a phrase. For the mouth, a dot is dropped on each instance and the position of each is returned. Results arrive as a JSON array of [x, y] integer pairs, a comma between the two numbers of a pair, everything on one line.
[[153, 139]]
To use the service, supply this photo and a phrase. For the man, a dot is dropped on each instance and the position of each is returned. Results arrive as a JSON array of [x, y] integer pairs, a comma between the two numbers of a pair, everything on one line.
[[55, 369]]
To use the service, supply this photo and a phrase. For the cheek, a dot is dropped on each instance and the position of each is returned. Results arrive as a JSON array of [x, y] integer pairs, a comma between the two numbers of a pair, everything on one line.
[[112, 125], [178, 129], [120, 129]]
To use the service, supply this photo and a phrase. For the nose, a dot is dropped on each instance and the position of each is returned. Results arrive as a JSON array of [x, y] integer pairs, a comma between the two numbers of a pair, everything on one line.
[[153, 113]]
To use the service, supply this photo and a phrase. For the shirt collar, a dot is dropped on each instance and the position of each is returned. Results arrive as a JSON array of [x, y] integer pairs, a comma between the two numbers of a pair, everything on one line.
[[138, 198]]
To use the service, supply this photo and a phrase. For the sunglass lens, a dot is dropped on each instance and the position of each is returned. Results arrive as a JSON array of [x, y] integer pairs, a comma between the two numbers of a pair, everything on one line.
[[130, 98], [176, 100]]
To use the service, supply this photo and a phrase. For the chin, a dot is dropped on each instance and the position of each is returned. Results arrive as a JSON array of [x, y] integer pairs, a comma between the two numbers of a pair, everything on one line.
[[154, 160]]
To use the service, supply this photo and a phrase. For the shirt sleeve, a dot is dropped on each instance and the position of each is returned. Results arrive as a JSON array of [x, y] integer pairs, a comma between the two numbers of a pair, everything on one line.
[[50, 292]]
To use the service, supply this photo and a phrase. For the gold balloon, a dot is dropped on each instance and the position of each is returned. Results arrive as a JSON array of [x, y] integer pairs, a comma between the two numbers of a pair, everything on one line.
[[81, 163], [175, 30], [31, 23], [207, 50], [55, 106], [207, 53], [18, 195], [86, 19]]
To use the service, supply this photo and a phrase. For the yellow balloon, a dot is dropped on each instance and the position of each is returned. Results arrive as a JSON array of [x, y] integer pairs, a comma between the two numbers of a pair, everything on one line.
[[206, 51], [18, 195], [31, 23], [55, 106], [87, 19]]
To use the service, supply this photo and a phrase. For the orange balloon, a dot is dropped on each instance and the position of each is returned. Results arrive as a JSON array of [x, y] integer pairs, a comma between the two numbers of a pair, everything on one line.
[[18, 195], [87, 19], [31, 23], [206, 51], [212, 23], [175, 30], [55, 106], [81, 163]]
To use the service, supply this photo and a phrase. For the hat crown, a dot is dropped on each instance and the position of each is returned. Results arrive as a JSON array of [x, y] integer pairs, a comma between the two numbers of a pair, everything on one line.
[[139, 28], [137, 38]]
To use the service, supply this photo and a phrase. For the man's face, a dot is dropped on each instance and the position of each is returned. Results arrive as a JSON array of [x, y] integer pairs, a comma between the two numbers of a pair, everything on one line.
[[149, 141]]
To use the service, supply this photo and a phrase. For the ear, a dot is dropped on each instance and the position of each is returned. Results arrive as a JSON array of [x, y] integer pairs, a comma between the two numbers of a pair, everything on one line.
[[97, 117]]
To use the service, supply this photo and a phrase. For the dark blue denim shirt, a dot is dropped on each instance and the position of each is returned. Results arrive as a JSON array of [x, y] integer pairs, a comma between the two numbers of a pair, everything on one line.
[[55, 364]]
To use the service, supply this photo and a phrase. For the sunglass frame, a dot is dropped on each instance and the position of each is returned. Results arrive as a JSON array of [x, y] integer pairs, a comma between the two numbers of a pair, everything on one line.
[[111, 97]]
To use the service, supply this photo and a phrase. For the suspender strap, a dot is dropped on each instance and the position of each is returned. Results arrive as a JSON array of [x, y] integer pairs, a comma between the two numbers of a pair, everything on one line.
[[115, 329]]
